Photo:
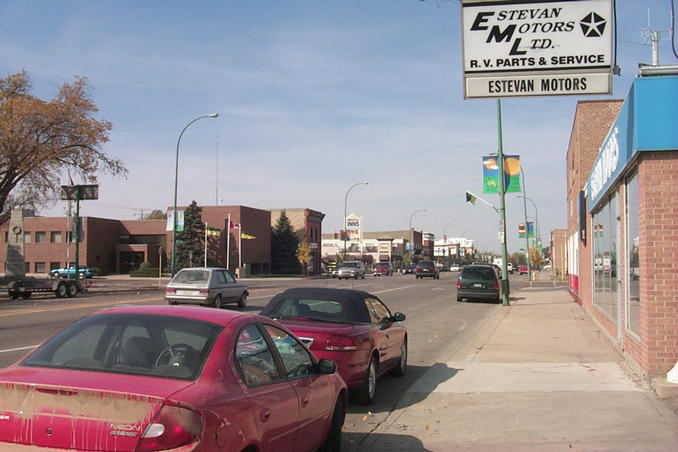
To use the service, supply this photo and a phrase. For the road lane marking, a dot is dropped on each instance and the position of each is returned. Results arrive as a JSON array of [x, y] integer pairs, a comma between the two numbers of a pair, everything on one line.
[[17, 349], [395, 288], [77, 306]]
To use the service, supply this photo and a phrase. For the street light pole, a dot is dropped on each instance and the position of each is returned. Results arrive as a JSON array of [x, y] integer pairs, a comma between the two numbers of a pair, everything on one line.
[[345, 213], [412, 231], [527, 231], [176, 177], [502, 209]]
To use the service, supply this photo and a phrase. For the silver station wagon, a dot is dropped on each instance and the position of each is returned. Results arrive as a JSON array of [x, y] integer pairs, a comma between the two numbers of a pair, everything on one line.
[[210, 286]]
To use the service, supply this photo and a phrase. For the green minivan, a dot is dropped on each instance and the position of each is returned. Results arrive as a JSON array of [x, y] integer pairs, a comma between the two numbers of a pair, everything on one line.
[[478, 281]]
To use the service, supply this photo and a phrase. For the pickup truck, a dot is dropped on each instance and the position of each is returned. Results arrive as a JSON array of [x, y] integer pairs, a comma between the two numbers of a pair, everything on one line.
[[70, 272]]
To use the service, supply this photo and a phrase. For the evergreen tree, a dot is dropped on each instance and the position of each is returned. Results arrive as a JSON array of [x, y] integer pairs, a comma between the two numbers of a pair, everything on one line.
[[191, 239], [284, 244]]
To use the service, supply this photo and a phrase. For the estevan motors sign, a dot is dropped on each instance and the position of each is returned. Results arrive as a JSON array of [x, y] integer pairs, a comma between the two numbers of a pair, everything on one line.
[[537, 48]]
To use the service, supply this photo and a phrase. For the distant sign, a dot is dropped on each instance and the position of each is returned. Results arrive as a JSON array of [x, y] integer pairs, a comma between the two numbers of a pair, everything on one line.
[[70, 192], [523, 48]]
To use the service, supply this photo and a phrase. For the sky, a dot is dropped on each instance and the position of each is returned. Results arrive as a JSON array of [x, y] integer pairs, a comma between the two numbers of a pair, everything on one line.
[[313, 97]]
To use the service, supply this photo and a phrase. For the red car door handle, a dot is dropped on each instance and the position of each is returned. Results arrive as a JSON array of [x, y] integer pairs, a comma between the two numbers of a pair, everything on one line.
[[265, 414], [304, 401]]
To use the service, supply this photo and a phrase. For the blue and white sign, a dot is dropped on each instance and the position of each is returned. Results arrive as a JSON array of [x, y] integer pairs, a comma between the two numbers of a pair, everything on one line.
[[646, 122]]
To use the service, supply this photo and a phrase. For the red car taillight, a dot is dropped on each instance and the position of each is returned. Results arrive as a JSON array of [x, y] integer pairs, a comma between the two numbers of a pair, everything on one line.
[[340, 344], [204, 291], [172, 427], [170, 290], [496, 285], [459, 284]]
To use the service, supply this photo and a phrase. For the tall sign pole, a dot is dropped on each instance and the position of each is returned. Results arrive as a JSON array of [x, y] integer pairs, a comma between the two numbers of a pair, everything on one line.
[[76, 193], [502, 211]]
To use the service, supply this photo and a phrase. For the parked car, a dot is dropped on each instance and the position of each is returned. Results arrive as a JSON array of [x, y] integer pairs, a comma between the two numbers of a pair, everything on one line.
[[509, 267], [172, 378], [454, 268], [353, 328], [85, 272], [351, 269], [478, 281], [523, 269], [426, 268], [383, 268], [211, 286], [408, 269]]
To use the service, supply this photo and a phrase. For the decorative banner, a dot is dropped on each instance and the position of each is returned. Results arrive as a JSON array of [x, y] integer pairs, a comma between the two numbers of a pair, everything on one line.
[[511, 174], [521, 229], [170, 220]]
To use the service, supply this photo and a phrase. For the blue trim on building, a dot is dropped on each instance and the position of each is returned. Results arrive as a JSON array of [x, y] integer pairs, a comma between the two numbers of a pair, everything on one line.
[[648, 121]]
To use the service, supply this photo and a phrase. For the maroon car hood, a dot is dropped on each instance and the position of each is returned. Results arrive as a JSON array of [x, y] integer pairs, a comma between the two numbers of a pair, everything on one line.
[[78, 410]]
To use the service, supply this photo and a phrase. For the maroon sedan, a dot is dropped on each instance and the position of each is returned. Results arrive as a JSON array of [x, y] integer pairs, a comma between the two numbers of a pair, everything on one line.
[[150, 378], [352, 328]]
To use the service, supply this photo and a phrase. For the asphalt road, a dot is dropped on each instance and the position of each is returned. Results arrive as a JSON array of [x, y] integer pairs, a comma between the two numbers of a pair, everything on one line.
[[437, 327]]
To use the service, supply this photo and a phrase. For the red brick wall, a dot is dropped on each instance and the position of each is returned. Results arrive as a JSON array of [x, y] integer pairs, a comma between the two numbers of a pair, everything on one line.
[[593, 120], [658, 223]]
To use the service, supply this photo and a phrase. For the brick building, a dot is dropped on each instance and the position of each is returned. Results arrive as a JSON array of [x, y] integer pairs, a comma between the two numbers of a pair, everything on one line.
[[558, 257], [119, 246], [307, 224], [622, 174]]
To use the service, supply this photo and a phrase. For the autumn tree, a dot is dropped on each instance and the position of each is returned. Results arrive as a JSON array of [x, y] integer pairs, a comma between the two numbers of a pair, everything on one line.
[[190, 241], [304, 254], [156, 214], [41, 140]]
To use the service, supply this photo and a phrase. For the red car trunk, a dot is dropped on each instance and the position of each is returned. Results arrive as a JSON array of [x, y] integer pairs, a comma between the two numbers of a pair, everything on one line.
[[47, 408]]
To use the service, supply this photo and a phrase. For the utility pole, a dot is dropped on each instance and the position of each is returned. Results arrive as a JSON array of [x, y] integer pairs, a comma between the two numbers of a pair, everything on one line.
[[502, 211]]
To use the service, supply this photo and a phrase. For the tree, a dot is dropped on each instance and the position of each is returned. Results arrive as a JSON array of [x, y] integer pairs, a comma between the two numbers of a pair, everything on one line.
[[40, 140], [156, 214], [284, 244], [536, 259], [190, 241], [304, 254]]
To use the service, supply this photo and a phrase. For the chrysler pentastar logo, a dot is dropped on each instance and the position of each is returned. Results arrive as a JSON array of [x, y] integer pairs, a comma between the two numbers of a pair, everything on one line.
[[592, 25]]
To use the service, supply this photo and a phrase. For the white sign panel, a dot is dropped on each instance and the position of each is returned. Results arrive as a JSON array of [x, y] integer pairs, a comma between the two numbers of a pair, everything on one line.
[[537, 48]]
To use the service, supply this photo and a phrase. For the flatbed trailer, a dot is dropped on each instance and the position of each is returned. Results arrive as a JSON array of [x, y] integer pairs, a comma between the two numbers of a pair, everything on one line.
[[25, 287]]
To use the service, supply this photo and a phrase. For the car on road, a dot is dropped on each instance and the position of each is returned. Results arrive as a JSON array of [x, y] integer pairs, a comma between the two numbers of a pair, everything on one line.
[[69, 272], [408, 270], [210, 286], [383, 268], [509, 267], [148, 378], [426, 268], [523, 269], [351, 269], [454, 268], [478, 281], [355, 329]]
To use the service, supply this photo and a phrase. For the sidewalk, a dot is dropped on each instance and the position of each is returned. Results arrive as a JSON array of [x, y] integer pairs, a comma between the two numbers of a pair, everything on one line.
[[540, 377]]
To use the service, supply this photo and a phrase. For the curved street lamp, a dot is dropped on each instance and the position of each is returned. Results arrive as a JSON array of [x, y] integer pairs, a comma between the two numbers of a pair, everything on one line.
[[345, 213], [176, 177]]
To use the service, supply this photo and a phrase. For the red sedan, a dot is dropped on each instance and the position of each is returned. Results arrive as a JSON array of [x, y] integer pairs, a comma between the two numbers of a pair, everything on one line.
[[352, 328], [150, 378]]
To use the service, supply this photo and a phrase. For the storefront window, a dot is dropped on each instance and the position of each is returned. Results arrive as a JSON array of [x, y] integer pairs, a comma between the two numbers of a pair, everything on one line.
[[605, 258], [632, 246]]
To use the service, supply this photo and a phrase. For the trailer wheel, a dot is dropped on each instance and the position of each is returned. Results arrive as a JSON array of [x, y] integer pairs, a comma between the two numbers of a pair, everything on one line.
[[72, 290], [61, 290]]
